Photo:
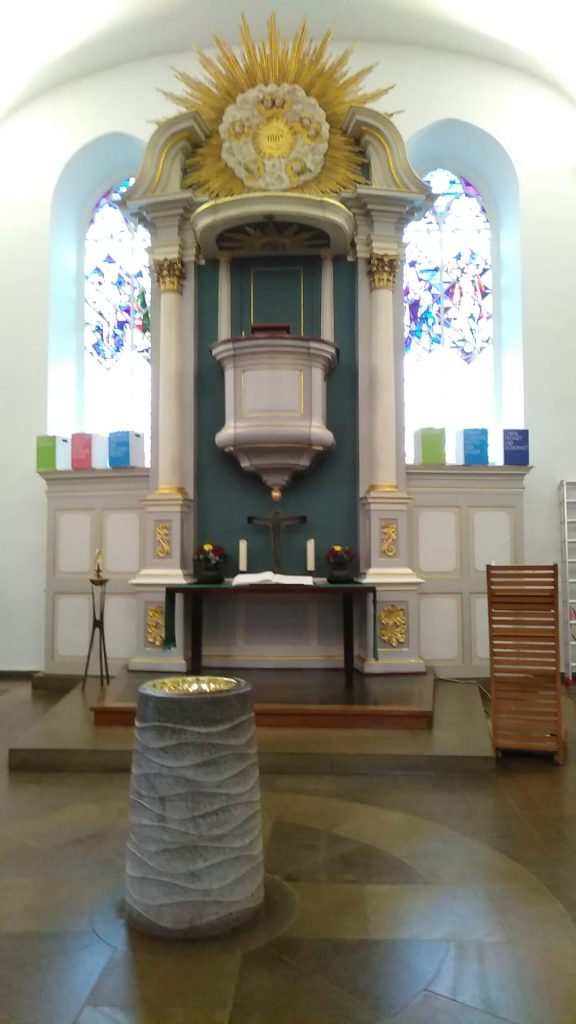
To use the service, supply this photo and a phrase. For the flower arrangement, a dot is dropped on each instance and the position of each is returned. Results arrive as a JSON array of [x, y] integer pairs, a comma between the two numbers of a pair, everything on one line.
[[209, 554], [340, 553]]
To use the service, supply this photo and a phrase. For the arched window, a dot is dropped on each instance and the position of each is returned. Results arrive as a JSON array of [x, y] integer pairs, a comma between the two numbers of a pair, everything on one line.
[[449, 335], [117, 385]]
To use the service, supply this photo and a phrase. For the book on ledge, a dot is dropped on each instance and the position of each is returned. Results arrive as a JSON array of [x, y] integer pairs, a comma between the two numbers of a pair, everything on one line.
[[246, 579]]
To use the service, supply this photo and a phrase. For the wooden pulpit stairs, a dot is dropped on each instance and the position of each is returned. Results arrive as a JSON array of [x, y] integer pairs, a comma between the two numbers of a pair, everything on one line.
[[526, 691]]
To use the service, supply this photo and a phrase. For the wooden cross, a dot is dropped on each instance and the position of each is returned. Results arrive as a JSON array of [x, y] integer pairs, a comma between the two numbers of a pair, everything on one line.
[[276, 523]]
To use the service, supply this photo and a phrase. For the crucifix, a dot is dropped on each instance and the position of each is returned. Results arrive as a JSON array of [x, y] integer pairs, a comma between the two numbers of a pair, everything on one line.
[[276, 523]]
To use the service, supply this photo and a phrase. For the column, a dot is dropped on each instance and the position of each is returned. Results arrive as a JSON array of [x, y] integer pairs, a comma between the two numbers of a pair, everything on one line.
[[327, 301], [385, 505], [170, 275], [224, 299], [382, 270]]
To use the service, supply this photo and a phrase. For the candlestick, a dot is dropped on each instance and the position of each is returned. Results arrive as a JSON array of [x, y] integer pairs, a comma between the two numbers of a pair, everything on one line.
[[310, 555], [98, 563], [242, 555]]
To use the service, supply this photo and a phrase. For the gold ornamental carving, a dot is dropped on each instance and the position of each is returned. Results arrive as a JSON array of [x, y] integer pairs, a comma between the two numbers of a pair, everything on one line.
[[275, 112], [382, 270], [389, 538], [274, 137], [170, 274], [162, 539], [393, 625], [154, 625]]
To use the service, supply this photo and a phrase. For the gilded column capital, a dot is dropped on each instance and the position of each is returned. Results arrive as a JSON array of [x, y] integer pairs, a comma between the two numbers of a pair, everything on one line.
[[170, 274], [382, 269]]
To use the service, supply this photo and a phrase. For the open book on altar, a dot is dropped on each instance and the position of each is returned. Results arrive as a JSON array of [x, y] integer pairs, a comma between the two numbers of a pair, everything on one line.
[[246, 579]]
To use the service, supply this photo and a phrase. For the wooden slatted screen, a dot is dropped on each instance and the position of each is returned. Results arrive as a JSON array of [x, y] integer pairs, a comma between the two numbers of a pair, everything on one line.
[[526, 710]]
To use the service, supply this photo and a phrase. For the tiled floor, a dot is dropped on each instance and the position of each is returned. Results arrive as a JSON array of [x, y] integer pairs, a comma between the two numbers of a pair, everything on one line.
[[414, 899], [67, 738]]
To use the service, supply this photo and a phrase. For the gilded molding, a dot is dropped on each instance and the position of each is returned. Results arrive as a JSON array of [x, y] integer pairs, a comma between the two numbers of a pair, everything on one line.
[[162, 539], [382, 270], [389, 538], [170, 274], [393, 625], [154, 625]]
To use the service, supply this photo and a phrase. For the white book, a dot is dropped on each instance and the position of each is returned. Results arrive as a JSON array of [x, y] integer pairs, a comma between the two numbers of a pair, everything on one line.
[[245, 579]]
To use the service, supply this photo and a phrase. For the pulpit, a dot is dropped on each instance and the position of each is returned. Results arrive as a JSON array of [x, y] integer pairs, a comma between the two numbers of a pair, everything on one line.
[[275, 395]]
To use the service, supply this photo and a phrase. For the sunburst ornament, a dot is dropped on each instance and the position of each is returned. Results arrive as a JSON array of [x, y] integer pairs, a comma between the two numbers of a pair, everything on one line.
[[275, 114]]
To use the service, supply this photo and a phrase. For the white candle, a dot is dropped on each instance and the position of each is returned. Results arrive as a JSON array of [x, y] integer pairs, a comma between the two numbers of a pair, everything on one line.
[[242, 555], [310, 557]]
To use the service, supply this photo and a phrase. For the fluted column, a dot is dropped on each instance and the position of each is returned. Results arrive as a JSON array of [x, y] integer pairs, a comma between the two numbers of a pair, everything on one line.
[[224, 300], [327, 303], [382, 270], [170, 273]]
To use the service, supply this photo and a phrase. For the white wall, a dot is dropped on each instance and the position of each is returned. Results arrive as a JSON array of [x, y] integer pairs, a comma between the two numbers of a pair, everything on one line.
[[534, 124]]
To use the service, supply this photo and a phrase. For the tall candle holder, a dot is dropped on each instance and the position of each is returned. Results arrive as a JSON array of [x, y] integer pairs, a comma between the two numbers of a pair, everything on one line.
[[98, 587]]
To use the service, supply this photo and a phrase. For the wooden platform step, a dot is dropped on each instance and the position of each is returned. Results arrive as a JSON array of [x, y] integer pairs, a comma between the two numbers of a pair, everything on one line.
[[302, 699]]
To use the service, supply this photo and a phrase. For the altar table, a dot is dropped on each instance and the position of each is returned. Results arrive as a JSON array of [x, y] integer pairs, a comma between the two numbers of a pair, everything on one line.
[[193, 595]]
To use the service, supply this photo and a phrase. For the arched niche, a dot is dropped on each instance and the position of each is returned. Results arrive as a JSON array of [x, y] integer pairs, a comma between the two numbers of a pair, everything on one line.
[[476, 155], [88, 173]]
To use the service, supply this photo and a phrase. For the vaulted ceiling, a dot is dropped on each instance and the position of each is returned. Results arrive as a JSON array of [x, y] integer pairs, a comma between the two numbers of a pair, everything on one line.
[[43, 45]]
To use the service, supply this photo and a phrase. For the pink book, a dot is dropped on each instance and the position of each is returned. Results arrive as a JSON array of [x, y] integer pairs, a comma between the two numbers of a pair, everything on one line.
[[81, 451]]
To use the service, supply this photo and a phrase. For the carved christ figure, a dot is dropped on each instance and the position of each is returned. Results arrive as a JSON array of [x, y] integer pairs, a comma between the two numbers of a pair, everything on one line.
[[276, 523]]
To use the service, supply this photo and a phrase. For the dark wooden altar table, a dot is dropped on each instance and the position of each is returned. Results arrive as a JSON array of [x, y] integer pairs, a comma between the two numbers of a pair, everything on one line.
[[193, 595]]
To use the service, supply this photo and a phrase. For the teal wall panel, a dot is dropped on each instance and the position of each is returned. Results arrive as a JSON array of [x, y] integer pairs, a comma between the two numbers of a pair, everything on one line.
[[327, 495], [284, 289]]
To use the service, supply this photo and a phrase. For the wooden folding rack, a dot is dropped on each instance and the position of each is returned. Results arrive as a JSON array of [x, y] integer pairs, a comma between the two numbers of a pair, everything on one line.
[[523, 622]]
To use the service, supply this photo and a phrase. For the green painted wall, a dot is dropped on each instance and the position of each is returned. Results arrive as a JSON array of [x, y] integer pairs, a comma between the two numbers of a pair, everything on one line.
[[282, 289], [327, 495]]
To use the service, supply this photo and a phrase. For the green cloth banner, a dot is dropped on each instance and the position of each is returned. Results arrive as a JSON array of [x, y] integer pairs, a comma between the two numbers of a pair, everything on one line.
[[170, 613], [169, 620]]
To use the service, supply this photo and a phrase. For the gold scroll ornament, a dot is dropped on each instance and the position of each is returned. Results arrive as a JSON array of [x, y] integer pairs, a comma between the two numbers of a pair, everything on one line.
[[393, 625], [162, 539], [388, 537], [154, 625]]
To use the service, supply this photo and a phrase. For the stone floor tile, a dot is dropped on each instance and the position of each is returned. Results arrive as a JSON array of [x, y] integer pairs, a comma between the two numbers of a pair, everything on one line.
[[329, 910], [433, 1009], [303, 854], [36, 904], [274, 990], [524, 984], [160, 988], [105, 1015], [532, 915], [386, 976], [432, 912], [46, 977]]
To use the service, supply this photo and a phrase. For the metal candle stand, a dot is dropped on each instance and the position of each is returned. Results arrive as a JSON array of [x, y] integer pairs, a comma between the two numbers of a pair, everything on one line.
[[98, 587]]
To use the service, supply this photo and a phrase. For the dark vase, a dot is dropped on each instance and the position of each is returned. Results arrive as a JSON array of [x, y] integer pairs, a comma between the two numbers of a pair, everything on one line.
[[208, 573], [340, 572]]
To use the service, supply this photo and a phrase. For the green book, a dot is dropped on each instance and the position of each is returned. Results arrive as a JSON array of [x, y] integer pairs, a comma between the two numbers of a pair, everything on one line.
[[53, 453], [430, 446]]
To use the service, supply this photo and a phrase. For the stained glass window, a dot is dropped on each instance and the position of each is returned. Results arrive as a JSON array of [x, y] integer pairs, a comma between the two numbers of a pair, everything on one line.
[[449, 359], [116, 319]]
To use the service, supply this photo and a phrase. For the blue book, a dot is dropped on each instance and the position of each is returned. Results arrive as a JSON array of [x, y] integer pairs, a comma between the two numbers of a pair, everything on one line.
[[516, 448], [472, 446], [125, 448]]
